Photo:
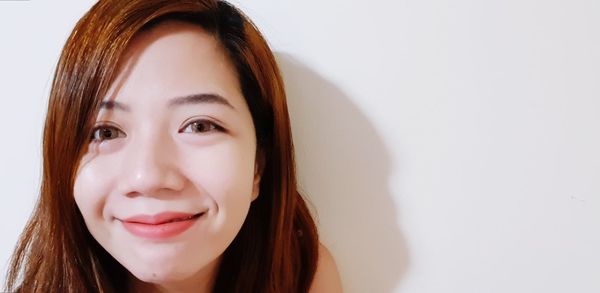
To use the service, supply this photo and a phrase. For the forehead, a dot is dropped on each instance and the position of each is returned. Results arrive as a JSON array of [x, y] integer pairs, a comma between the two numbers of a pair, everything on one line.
[[174, 59]]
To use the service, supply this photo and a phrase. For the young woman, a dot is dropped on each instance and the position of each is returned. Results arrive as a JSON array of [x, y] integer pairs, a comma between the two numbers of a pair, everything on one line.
[[168, 162]]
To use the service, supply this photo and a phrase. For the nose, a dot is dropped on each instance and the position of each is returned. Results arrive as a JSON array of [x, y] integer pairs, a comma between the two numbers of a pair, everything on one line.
[[149, 167]]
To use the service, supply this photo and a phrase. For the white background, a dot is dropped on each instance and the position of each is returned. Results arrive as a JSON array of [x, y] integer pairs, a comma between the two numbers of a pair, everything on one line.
[[447, 146]]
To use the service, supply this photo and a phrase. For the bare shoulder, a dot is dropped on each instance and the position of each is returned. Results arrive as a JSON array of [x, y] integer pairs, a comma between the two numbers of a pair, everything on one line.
[[327, 278]]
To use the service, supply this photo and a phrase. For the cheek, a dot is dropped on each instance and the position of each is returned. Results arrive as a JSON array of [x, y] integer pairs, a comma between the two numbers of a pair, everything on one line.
[[225, 172], [225, 175], [89, 191]]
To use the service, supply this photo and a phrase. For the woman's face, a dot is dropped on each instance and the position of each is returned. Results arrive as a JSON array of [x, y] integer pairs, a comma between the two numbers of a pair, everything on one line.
[[170, 171]]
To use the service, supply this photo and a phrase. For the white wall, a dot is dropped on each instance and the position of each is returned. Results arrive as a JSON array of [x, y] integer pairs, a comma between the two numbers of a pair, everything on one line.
[[448, 146]]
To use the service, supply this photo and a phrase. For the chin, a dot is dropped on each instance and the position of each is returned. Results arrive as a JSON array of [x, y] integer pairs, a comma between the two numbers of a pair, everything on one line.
[[159, 279], [169, 271], [162, 274], [162, 264]]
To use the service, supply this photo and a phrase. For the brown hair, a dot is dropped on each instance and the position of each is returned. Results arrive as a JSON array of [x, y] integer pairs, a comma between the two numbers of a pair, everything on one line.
[[277, 246]]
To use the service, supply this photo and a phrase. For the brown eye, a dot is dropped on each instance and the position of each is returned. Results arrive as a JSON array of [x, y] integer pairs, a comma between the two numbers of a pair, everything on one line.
[[102, 133], [201, 126]]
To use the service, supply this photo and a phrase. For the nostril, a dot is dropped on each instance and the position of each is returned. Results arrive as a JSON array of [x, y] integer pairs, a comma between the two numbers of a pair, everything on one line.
[[154, 180]]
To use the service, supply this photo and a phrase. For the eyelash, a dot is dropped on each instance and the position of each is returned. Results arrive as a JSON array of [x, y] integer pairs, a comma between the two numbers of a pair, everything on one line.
[[213, 127]]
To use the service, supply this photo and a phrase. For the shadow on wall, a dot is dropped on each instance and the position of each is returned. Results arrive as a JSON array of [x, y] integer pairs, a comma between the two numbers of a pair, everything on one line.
[[343, 169]]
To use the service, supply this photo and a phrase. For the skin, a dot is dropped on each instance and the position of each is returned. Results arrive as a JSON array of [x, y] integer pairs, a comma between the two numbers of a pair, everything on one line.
[[150, 159], [147, 156], [327, 277]]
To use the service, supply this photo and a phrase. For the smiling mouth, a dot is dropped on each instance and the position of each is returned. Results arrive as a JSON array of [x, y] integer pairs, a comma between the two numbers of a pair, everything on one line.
[[161, 218], [160, 221], [184, 219], [161, 226]]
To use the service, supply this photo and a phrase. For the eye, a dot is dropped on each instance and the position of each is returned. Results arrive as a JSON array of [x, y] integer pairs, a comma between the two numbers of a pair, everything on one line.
[[104, 132], [201, 126]]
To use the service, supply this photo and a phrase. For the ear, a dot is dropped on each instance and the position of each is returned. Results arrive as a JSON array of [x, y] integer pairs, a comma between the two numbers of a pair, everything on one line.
[[259, 167]]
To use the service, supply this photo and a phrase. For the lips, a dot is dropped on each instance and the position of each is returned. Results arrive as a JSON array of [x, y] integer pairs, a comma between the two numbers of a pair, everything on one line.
[[160, 226], [161, 218]]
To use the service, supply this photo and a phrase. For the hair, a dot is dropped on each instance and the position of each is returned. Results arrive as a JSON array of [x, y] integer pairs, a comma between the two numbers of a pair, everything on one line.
[[276, 249]]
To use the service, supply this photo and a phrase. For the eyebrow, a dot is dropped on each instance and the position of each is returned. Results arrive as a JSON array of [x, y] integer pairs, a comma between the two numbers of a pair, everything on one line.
[[177, 101]]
